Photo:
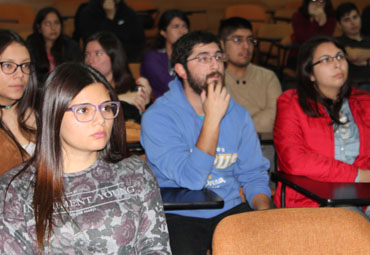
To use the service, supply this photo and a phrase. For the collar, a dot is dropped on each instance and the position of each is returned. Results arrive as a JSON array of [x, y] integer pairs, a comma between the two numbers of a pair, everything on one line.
[[240, 80], [8, 106]]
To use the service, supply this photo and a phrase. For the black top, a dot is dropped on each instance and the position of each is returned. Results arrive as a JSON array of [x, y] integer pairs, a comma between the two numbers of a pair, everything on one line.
[[130, 112], [125, 25], [357, 74]]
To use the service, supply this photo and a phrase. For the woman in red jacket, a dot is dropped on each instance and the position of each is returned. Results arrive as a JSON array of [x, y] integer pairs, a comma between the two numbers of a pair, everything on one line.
[[322, 129]]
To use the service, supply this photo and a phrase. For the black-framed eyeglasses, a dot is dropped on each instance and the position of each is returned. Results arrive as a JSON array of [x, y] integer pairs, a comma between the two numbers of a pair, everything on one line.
[[9, 67], [206, 58], [319, 1], [329, 59], [86, 112], [239, 40]]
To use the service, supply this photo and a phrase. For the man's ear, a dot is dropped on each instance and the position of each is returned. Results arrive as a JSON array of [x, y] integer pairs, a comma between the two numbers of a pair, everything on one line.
[[222, 45], [181, 72], [339, 27]]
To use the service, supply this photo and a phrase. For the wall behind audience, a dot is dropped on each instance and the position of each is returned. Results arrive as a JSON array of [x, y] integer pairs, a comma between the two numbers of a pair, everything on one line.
[[214, 8]]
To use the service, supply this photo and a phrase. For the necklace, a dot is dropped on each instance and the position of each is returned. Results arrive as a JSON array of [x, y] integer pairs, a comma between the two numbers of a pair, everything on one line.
[[8, 106]]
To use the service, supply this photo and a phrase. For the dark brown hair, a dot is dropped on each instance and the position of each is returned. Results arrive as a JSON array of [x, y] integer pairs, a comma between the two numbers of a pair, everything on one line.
[[309, 96], [27, 103]]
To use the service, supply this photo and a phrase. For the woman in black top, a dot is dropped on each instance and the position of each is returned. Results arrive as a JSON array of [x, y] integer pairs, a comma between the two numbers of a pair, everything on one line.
[[114, 16], [48, 45]]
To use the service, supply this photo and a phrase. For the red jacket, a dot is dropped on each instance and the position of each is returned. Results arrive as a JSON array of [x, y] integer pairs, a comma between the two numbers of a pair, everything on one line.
[[304, 28], [305, 145]]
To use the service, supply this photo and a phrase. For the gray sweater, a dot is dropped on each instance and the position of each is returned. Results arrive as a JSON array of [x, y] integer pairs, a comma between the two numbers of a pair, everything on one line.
[[113, 208]]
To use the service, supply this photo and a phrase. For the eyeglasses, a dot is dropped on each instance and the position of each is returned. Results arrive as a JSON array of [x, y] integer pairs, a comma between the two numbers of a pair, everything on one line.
[[206, 58], [239, 40], [319, 1], [329, 59], [86, 112], [10, 67]]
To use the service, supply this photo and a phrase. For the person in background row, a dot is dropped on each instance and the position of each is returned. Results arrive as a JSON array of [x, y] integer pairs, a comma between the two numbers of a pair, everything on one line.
[[48, 45], [79, 193], [254, 87], [104, 52], [314, 17], [322, 128], [17, 101], [114, 16], [357, 45], [156, 65]]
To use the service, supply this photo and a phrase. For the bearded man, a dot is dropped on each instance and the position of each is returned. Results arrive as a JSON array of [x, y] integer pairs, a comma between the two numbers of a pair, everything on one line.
[[195, 136]]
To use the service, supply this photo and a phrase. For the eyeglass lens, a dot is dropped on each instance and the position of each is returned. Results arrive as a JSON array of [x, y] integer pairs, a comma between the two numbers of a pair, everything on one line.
[[86, 112], [10, 67]]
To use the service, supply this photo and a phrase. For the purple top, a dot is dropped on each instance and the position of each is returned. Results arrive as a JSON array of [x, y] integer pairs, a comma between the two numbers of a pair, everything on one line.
[[155, 67]]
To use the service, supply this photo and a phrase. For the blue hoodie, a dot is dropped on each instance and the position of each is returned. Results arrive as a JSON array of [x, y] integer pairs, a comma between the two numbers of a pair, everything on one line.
[[169, 131]]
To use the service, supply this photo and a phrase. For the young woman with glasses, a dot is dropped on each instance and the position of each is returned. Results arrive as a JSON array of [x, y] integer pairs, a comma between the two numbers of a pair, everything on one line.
[[79, 193], [322, 128], [48, 45], [104, 52], [17, 101]]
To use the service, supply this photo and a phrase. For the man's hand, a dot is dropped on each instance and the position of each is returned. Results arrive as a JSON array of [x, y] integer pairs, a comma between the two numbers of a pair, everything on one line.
[[364, 175], [358, 56], [261, 202], [215, 101]]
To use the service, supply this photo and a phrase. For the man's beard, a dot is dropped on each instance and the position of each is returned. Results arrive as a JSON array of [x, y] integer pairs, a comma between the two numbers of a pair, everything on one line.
[[198, 86]]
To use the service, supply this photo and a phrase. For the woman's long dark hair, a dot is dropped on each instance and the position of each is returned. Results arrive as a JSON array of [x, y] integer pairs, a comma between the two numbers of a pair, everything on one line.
[[62, 85], [328, 8], [27, 103], [37, 44], [122, 76], [163, 23], [309, 95]]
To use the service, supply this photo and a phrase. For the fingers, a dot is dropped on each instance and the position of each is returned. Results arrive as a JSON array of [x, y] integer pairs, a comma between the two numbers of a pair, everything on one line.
[[140, 105], [215, 88], [140, 100], [144, 86]]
